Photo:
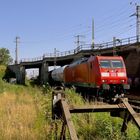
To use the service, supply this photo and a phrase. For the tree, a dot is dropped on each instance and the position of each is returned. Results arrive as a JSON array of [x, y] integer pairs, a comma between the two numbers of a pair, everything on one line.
[[5, 57]]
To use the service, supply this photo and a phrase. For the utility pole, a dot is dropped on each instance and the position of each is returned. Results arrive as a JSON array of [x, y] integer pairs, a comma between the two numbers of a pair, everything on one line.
[[114, 46], [55, 58], [78, 40], [138, 22], [16, 50], [92, 45], [137, 14]]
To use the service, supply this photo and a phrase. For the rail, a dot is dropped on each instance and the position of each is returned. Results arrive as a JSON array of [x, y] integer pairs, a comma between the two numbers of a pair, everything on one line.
[[62, 110], [135, 105], [118, 42]]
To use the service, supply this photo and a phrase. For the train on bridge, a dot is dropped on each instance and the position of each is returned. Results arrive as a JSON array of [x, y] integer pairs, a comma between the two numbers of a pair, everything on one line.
[[103, 75]]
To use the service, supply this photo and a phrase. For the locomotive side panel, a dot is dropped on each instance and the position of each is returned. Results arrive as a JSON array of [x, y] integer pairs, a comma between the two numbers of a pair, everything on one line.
[[85, 74], [94, 72], [76, 75]]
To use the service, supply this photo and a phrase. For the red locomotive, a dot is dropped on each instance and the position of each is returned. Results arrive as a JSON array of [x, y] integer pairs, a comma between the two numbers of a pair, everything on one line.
[[105, 75]]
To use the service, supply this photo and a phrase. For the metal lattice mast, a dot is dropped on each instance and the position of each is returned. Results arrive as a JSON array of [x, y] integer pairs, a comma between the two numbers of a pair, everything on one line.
[[138, 23], [55, 58], [16, 50], [92, 33]]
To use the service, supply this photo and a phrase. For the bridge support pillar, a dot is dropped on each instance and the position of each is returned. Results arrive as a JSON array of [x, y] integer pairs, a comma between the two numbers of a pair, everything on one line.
[[20, 75], [43, 73], [132, 63]]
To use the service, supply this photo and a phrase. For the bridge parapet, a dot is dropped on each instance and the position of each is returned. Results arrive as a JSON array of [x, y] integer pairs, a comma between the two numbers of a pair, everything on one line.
[[111, 44], [31, 59]]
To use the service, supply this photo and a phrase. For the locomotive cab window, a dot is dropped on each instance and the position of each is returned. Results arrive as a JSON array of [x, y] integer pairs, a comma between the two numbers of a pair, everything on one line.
[[105, 64], [117, 64]]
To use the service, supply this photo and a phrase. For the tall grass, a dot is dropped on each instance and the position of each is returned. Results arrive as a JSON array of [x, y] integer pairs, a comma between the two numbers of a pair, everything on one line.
[[23, 116], [17, 116]]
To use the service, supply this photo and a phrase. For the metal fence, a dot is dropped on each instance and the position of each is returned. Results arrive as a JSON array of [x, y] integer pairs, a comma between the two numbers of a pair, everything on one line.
[[118, 42]]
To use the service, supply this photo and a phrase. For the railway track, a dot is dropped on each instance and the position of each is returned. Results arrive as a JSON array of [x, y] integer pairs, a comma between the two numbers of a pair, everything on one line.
[[62, 110], [135, 104]]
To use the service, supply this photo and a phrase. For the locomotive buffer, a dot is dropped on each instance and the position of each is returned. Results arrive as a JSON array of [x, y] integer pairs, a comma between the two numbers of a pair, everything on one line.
[[61, 110]]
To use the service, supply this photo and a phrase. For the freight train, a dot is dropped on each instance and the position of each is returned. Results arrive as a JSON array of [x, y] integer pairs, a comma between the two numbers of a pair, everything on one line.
[[103, 75]]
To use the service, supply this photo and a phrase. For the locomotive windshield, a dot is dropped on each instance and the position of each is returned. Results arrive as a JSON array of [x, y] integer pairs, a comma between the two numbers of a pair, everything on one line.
[[105, 63], [117, 64], [111, 64]]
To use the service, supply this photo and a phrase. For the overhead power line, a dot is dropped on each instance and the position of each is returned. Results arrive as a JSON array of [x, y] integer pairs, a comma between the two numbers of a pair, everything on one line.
[[122, 11]]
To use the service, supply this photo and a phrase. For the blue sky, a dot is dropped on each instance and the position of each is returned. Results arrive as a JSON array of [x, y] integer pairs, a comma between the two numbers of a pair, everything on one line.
[[43, 25]]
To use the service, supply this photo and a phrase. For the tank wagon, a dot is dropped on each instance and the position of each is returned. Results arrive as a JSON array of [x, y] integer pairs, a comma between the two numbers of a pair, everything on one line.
[[57, 74], [104, 75]]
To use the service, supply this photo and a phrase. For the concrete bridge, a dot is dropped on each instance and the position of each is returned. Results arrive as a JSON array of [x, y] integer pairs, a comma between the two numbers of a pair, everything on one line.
[[128, 48]]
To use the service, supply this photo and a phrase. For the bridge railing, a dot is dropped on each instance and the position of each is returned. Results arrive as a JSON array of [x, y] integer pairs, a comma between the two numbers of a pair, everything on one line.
[[117, 42], [32, 59]]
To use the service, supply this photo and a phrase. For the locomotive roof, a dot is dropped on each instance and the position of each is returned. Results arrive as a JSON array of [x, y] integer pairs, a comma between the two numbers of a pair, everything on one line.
[[85, 59], [109, 57], [104, 57], [79, 61]]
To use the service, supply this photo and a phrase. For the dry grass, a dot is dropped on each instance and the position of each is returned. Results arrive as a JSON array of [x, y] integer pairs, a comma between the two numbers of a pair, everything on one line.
[[18, 117]]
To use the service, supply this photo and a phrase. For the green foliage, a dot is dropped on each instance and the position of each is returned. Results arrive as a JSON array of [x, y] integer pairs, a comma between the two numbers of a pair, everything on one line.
[[5, 57], [43, 121], [46, 88], [100, 126], [73, 97]]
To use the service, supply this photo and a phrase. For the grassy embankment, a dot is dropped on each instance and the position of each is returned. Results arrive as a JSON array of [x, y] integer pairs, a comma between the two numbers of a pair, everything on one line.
[[25, 114]]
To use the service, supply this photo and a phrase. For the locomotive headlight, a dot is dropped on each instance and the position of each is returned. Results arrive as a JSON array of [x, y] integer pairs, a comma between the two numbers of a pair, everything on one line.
[[104, 81], [122, 81]]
